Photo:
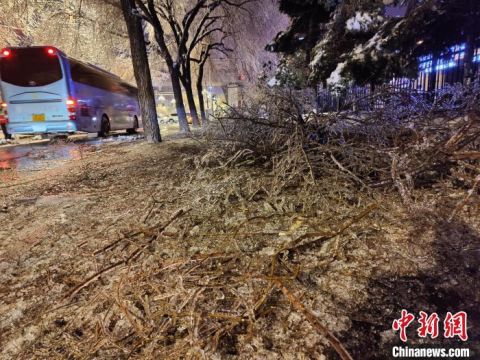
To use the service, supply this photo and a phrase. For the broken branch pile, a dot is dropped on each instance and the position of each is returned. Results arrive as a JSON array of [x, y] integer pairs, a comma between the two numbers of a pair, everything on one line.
[[292, 228]]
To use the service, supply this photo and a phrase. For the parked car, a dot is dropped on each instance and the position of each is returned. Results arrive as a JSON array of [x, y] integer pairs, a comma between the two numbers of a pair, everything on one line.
[[169, 119], [173, 118]]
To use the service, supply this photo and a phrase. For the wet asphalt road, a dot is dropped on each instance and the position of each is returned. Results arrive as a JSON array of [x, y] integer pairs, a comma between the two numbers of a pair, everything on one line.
[[51, 153]]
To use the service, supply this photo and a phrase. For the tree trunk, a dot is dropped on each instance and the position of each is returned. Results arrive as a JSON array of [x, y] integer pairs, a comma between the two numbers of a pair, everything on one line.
[[177, 93], [191, 102], [141, 69], [201, 102], [468, 71], [201, 99], [186, 78]]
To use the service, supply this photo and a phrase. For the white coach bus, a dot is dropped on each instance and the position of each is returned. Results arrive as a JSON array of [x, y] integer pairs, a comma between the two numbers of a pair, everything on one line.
[[46, 91]]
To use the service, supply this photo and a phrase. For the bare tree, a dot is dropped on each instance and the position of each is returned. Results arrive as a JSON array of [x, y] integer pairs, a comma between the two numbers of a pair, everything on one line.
[[248, 36], [205, 28], [202, 60], [141, 70], [188, 27], [211, 25], [173, 57], [175, 15]]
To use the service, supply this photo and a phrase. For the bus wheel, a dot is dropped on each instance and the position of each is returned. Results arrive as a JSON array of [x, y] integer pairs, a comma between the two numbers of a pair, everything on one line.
[[104, 127], [135, 126]]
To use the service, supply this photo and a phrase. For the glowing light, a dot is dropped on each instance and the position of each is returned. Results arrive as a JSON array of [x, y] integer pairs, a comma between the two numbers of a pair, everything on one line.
[[426, 66], [448, 60], [6, 53], [71, 103], [443, 65]]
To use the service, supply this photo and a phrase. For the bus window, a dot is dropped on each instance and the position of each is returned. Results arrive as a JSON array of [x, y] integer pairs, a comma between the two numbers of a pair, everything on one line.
[[83, 74], [89, 76], [29, 67]]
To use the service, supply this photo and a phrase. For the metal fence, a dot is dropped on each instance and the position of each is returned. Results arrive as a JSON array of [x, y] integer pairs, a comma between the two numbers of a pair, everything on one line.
[[434, 75]]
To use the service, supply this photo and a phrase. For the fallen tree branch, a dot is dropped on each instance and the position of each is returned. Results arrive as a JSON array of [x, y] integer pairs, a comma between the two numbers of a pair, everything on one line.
[[462, 203], [131, 257], [341, 167], [323, 236], [313, 320], [148, 231], [466, 155]]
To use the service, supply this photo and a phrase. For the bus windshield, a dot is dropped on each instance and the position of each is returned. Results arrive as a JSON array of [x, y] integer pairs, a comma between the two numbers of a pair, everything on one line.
[[30, 67]]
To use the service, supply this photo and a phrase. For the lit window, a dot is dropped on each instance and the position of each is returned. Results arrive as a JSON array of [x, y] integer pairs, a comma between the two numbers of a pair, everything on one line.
[[426, 67], [476, 57], [443, 64]]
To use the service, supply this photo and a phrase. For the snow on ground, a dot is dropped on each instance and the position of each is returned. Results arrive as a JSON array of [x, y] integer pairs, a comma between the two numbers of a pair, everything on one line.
[[62, 225]]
